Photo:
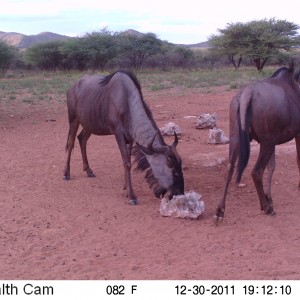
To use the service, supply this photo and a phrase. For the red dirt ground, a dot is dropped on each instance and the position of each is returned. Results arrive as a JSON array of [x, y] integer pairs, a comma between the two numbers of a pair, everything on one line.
[[84, 229]]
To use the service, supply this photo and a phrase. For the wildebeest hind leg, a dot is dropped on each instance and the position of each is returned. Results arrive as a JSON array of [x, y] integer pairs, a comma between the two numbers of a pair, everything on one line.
[[271, 168], [265, 154], [297, 139], [74, 124], [233, 155], [83, 137]]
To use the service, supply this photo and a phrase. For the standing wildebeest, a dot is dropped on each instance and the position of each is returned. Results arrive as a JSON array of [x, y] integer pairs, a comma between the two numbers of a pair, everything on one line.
[[114, 105], [267, 111]]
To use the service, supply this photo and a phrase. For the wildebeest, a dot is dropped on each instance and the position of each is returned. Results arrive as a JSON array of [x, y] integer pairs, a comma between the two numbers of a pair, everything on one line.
[[267, 111], [114, 104]]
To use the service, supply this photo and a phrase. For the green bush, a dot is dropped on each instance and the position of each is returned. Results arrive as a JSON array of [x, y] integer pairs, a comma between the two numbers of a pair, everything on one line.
[[7, 54]]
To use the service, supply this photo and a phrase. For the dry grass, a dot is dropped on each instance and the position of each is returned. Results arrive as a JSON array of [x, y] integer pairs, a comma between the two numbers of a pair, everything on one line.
[[35, 87]]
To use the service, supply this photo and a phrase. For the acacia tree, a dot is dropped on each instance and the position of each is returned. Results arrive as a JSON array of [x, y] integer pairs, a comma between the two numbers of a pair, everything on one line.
[[93, 50], [75, 54], [7, 53], [258, 40], [100, 48], [46, 56], [136, 49], [225, 44], [267, 37]]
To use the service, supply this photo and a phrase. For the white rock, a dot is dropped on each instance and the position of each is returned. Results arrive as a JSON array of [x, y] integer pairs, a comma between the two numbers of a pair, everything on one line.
[[168, 129], [190, 117], [206, 121], [188, 206], [216, 136]]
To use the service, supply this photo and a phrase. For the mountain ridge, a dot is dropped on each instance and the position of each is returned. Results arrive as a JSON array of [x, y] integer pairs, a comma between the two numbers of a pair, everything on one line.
[[23, 41]]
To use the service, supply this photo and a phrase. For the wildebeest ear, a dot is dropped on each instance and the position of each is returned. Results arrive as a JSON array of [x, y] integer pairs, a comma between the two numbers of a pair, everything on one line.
[[175, 140]]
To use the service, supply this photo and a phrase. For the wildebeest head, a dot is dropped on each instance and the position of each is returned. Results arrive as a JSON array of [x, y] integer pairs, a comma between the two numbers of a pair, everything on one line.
[[164, 168]]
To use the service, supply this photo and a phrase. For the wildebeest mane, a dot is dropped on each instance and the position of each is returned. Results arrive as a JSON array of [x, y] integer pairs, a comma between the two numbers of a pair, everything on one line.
[[281, 71], [291, 70], [296, 72], [131, 75], [296, 75]]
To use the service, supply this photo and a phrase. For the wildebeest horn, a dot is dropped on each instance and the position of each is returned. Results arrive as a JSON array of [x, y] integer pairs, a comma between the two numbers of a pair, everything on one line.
[[150, 150], [175, 141]]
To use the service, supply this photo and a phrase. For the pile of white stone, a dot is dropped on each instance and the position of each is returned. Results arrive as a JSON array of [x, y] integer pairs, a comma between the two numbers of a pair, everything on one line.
[[215, 135], [169, 129], [206, 121], [187, 206]]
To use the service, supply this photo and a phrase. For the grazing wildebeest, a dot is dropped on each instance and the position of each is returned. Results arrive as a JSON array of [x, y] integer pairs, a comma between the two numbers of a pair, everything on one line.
[[267, 111], [113, 104]]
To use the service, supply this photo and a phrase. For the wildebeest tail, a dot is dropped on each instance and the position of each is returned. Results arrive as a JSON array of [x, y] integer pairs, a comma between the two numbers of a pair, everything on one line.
[[244, 114]]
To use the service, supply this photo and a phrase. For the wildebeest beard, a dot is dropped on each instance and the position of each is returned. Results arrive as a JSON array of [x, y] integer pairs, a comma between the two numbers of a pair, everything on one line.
[[142, 165]]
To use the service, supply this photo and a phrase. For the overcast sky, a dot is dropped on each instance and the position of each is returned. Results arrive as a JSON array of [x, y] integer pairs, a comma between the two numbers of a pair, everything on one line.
[[176, 21]]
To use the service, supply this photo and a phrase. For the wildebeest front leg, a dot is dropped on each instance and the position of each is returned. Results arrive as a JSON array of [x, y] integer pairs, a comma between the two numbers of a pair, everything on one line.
[[297, 139], [265, 154], [126, 157], [83, 137], [129, 150]]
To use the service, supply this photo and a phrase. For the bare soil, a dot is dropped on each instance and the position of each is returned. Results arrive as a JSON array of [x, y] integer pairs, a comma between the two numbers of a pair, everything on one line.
[[84, 228]]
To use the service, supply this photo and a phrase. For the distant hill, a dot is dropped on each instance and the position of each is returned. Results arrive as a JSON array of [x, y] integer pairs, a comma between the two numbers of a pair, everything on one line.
[[12, 38], [199, 45], [132, 32], [139, 34], [23, 41]]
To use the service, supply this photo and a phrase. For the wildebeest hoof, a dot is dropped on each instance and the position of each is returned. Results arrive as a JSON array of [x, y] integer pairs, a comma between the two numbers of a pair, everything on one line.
[[217, 219], [270, 211], [91, 174], [66, 177], [133, 202], [219, 216]]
